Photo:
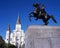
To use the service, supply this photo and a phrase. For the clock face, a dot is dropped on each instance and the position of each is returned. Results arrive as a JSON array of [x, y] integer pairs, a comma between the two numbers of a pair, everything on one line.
[[18, 27]]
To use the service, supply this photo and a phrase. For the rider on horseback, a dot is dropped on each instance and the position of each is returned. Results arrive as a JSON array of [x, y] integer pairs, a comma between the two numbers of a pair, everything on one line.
[[37, 9], [40, 11], [43, 12]]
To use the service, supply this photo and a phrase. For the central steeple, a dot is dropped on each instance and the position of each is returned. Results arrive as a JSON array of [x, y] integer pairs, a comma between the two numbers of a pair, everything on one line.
[[18, 20], [18, 25]]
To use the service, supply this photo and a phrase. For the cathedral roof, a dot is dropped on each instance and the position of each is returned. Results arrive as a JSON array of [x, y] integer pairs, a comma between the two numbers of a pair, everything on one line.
[[18, 20]]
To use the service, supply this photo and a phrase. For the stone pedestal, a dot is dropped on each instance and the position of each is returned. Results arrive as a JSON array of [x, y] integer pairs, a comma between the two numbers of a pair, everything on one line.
[[42, 37]]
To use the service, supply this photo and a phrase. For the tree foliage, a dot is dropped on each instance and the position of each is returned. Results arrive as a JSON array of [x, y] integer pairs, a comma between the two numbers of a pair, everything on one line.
[[4, 45]]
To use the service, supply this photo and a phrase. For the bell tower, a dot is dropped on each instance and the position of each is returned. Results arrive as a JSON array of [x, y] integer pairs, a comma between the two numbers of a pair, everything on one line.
[[8, 34]]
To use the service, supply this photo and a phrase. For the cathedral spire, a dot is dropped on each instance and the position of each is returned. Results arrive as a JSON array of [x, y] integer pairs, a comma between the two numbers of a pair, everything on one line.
[[8, 34], [8, 27], [18, 20]]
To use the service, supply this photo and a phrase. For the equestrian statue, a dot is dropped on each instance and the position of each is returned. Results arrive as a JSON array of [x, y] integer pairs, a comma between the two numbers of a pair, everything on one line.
[[40, 13]]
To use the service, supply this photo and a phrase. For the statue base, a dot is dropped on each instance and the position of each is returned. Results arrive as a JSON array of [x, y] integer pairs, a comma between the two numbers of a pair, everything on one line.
[[42, 37]]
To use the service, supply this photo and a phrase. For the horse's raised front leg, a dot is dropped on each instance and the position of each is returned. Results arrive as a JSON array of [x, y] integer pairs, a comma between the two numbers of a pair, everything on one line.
[[30, 15], [29, 18], [36, 18]]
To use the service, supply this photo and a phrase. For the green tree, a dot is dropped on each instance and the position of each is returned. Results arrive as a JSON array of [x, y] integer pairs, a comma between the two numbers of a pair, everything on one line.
[[4, 45], [10, 46]]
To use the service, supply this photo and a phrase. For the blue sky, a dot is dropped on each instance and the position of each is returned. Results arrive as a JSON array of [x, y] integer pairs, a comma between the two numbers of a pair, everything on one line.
[[9, 12]]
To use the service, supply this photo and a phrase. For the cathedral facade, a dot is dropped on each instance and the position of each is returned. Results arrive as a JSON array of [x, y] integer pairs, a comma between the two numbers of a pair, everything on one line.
[[17, 36]]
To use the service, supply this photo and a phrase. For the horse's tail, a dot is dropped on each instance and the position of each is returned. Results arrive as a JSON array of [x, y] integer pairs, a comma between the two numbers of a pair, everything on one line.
[[53, 19]]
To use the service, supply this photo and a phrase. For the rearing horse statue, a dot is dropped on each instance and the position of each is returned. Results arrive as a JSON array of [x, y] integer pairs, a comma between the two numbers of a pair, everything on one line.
[[40, 13]]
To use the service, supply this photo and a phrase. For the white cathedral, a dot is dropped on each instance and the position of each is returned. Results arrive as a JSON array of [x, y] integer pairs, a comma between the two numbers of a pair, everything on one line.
[[17, 37]]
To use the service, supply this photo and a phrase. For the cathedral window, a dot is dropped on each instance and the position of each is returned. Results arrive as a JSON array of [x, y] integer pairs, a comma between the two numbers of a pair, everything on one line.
[[17, 38]]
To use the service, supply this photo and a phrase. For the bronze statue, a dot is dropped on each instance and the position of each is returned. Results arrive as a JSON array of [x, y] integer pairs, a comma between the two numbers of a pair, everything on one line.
[[40, 13]]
